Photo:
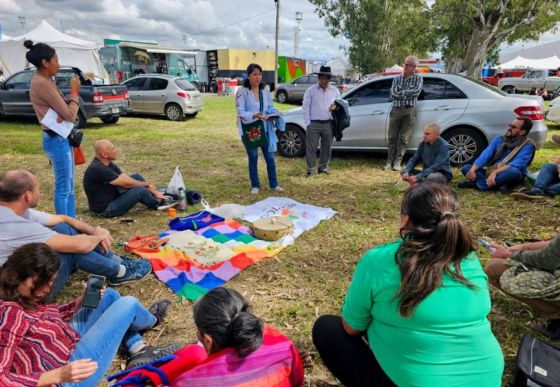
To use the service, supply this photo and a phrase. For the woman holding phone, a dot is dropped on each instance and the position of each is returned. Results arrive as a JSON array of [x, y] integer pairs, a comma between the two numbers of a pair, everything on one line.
[[45, 95], [45, 344]]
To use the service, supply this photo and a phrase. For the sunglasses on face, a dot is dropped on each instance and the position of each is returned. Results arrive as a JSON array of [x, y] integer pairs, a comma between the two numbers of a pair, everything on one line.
[[513, 127]]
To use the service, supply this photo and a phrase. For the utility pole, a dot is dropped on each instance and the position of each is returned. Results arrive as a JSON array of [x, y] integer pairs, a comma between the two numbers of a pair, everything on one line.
[[184, 40], [299, 17], [276, 43]]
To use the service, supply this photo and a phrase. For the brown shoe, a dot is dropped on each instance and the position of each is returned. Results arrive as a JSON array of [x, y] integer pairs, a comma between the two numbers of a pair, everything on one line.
[[556, 139]]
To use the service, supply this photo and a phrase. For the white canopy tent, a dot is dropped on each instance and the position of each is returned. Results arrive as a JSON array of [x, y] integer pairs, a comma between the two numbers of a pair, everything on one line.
[[71, 51], [552, 62]]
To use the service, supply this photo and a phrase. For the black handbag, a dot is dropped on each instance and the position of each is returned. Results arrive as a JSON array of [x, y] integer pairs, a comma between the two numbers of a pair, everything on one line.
[[75, 137], [538, 362]]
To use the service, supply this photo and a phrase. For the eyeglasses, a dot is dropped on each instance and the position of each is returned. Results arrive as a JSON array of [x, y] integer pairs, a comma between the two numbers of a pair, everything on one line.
[[409, 65], [514, 127]]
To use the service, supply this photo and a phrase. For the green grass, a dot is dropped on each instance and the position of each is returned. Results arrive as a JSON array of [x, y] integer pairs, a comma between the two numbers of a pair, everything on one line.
[[309, 278]]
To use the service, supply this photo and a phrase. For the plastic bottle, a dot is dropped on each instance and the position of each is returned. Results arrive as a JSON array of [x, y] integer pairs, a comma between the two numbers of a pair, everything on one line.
[[182, 199]]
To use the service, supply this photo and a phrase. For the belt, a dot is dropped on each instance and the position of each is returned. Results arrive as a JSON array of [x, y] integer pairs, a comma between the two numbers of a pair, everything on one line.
[[404, 107], [50, 132], [321, 121]]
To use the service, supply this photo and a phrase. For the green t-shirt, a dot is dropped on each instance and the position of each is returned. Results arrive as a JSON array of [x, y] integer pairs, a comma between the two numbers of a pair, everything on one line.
[[447, 341]]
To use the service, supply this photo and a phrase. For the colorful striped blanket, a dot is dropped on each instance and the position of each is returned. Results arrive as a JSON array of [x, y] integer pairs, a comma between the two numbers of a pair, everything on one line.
[[184, 267]]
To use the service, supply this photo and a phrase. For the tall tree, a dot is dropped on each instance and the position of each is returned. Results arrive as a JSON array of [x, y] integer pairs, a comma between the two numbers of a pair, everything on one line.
[[380, 32], [468, 31]]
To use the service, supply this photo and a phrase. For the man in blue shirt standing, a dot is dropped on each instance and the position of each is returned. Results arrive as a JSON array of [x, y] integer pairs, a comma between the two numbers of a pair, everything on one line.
[[433, 153], [504, 163]]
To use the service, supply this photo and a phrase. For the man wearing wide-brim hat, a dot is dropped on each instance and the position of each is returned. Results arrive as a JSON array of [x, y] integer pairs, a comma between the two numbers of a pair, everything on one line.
[[318, 105]]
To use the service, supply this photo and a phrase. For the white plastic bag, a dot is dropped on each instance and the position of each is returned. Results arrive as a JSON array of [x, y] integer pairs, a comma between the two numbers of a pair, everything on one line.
[[175, 183], [227, 211]]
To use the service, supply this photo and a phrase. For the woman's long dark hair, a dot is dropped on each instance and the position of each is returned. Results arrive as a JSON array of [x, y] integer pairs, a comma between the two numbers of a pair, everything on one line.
[[224, 315], [252, 67], [37, 52], [435, 242], [34, 260]]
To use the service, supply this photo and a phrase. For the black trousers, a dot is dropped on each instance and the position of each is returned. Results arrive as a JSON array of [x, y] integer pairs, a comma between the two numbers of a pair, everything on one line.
[[349, 358]]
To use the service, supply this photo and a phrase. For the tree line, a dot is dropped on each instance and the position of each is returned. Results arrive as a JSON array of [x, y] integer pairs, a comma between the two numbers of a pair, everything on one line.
[[467, 33]]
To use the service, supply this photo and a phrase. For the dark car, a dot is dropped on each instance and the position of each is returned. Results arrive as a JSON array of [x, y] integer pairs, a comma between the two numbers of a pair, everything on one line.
[[107, 102]]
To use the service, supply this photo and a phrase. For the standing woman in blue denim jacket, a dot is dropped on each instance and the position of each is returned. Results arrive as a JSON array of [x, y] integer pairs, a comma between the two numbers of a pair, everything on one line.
[[248, 103], [45, 95]]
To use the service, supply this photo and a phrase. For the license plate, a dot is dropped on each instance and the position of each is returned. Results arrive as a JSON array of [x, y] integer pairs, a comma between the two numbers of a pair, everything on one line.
[[115, 110]]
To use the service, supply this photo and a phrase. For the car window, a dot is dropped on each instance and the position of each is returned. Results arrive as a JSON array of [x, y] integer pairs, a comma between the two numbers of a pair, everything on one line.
[[373, 92], [157, 84], [184, 85], [487, 86], [63, 78], [301, 80], [135, 84], [453, 92], [20, 81], [433, 88]]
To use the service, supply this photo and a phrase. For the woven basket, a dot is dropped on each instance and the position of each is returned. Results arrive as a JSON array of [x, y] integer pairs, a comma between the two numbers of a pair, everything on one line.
[[272, 228]]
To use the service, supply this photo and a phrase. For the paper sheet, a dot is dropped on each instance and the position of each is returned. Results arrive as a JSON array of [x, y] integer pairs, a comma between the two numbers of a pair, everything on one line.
[[50, 121]]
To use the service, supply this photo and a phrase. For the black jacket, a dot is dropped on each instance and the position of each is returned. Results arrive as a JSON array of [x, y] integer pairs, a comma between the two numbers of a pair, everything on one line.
[[341, 118]]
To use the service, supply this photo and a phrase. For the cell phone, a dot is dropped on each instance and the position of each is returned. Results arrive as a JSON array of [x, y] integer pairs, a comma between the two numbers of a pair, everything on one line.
[[486, 245], [93, 291]]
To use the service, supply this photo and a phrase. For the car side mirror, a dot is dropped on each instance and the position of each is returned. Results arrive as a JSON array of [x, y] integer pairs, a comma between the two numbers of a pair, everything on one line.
[[11, 86]]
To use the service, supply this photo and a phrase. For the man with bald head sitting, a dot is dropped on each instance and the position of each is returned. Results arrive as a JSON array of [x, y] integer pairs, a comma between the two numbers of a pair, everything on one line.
[[111, 192], [433, 154]]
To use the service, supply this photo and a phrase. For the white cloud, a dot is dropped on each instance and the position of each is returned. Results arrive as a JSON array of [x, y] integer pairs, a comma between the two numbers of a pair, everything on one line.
[[208, 24]]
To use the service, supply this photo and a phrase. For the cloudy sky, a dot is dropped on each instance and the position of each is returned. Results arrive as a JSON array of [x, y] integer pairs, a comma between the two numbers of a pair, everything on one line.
[[208, 24]]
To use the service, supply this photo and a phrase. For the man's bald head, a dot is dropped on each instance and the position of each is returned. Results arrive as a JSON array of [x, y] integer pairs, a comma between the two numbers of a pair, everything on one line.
[[101, 146], [431, 132], [15, 183]]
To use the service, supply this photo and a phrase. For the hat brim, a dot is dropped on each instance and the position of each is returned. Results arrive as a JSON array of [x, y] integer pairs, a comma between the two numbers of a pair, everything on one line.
[[327, 74]]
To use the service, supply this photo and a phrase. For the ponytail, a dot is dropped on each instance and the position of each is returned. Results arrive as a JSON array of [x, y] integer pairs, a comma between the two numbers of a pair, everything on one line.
[[434, 241]]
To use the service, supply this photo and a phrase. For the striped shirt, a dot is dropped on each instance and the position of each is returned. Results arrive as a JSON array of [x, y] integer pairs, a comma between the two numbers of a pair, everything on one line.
[[317, 103], [405, 91], [34, 341]]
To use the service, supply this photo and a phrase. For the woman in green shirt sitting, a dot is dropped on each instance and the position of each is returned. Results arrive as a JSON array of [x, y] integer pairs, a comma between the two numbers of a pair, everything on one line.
[[421, 302]]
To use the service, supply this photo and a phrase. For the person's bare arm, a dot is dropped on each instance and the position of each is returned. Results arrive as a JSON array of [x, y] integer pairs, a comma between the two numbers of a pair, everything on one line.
[[128, 182], [101, 234], [80, 243]]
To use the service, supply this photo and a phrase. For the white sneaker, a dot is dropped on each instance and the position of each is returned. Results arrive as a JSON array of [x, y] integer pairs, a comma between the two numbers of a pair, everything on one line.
[[278, 189], [387, 167], [254, 191]]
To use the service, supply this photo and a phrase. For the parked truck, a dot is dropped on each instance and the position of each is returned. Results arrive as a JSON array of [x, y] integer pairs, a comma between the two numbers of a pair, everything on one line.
[[536, 78], [107, 102], [125, 59]]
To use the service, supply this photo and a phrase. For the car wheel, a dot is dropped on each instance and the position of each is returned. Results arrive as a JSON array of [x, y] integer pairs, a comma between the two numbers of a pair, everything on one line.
[[465, 144], [80, 120], [282, 96], [508, 89], [173, 112], [110, 119], [292, 142]]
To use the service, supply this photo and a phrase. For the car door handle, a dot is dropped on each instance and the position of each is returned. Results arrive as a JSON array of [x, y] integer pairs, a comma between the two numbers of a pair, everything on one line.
[[377, 112], [443, 107]]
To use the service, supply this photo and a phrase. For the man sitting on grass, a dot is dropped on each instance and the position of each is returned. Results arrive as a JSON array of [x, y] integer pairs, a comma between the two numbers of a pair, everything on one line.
[[530, 272], [504, 163], [110, 192], [547, 183], [79, 245], [433, 153]]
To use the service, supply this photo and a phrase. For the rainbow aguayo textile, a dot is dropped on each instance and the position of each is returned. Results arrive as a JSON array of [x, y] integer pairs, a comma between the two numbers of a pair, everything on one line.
[[189, 278]]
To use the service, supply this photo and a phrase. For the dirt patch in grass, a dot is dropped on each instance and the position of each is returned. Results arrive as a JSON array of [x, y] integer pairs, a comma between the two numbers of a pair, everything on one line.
[[304, 280]]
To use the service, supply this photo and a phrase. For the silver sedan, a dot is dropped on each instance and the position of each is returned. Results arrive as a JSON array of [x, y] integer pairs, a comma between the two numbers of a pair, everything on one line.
[[470, 113], [171, 96]]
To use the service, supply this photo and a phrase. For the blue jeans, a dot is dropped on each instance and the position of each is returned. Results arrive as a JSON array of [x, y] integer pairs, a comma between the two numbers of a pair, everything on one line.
[[94, 262], [548, 180], [129, 198], [102, 330], [61, 155], [253, 155], [511, 177]]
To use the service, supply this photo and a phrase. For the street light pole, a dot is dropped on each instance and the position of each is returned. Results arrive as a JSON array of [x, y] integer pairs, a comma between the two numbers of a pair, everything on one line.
[[299, 17], [21, 20], [276, 43]]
